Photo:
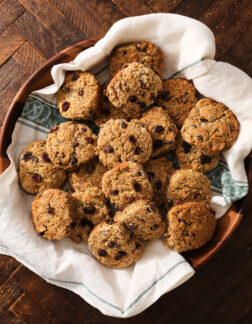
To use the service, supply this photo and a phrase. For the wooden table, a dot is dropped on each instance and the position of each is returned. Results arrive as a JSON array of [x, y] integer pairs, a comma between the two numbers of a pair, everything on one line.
[[31, 31]]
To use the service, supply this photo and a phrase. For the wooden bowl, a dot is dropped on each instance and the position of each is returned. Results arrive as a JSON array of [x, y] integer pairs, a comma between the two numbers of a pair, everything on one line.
[[42, 77]]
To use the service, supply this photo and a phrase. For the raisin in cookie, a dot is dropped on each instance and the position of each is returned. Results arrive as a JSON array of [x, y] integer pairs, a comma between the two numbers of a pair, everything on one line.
[[177, 97], [54, 214], [71, 144], [95, 211], [134, 89], [78, 97], [210, 126], [146, 53], [88, 175], [190, 226], [36, 171], [121, 141], [159, 172], [114, 246], [191, 157], [106, 110], [142, 218], [188, 185], [162, 129], [126, 183]]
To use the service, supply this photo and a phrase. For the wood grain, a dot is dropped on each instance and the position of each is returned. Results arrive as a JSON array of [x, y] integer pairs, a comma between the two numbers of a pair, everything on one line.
[[32, 31]]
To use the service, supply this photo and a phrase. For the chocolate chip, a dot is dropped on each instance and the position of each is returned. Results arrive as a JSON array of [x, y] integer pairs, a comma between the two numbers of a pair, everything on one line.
[[157, 144], [140, 173], [45, 157], [137, 186], [36, 178], [132, 98], [169, 203], [75, 77], [138, 49], [109, 221], [150, 175], [131, 226], [199, 137], [65, 106], [148, 209], [196, 195], [153, 227], [108, 149], [102, 253], [50, 210], [42, 233], [54, 129], [152, 96], [27, 156], [143, 84], [232, 127], [73, 159], [83, 129], [142, 105], [204, 120], [124, 52], [112, 245], [158, 184], [73, 224], [132, 139], [90, 209], [120, 254], [138, 246], [114, 192], [124, 125], [186, 146], [137, 150], [205, 159], [159, 129], [165, 95], [80, 92], [90, 140]]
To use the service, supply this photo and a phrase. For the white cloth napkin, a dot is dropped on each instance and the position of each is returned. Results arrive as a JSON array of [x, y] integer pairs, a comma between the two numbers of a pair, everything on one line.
[[189, 50]]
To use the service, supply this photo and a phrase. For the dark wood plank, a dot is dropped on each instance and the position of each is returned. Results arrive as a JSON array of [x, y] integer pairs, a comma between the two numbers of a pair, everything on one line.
[[9, 318], [163, 5], [191, 8], [7, 266], [132, 7], [10, 11], [9, 292], [9, 71]]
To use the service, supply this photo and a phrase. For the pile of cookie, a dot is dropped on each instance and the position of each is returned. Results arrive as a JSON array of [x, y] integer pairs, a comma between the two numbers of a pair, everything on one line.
[[125, 191]]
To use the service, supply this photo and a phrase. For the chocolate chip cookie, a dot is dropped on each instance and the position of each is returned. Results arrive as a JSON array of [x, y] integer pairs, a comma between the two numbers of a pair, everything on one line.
[[114, 246], [121, 141], [134, 89], [126, 183], [54, 214], [162, 129], [36, 171], [78, 97], [146, 53], [210, 126], [188, 185], [71, 144], [191, 157], [142, 218], [159, 171], [190, 226], [88, 175], [178, 97]]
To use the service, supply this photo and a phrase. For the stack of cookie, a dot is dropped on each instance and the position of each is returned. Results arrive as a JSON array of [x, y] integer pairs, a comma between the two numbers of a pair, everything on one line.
[[125, 191]]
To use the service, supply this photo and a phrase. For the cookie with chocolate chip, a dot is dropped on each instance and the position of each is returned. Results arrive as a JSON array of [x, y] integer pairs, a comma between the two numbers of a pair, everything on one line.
[[190, 226], [126, 183], [36, 170], [79, 95], [114, 246], [134, 89], [178, 97], [121, 141], [142, 218], [146, 53], [54, 214], [191, 157], [210, 126], [187, 185], [70, 145], [162, 129]]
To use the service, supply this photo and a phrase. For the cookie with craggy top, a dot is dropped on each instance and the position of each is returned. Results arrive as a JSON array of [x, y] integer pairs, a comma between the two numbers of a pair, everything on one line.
[[146, 53], [210, 126], [187, 185], [178, 97], [134, 89], [121, 141], [191, 157], [190, 226], [54, 214], [126, 183], [114, 246], [78, 97], [88, 175], [142, 218], [71, 144], [162, 129], [159, 171], [36, 171]]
